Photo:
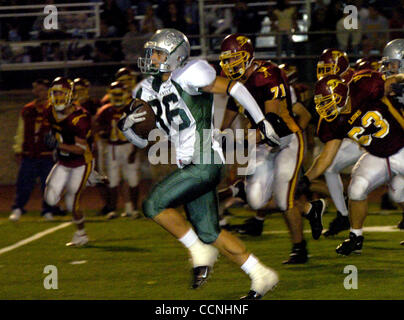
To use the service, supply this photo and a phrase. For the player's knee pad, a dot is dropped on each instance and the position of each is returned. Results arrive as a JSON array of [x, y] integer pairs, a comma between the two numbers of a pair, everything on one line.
[[397, 194], [51, 196], [358, 189], [255, 197], [151, 207]]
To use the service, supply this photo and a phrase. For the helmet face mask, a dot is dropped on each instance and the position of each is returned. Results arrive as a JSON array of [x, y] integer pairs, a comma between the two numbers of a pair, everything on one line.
[[235, 64], [390, 66], [393, 57], [324, 69], [170, 47], [331, 96], [118, 94], [81, 93], [237, 55], [61, 93]]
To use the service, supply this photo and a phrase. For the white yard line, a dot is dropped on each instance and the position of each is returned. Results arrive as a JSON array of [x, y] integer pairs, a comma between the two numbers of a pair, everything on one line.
[[34, 237], [365, 229]]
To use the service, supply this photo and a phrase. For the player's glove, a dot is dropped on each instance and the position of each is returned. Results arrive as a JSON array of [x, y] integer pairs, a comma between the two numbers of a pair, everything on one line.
[[303, 187], [270, 136], [50, 141], [127, 121]]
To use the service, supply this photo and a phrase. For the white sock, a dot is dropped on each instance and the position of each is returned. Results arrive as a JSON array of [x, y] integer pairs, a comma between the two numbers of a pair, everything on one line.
[[234, 189], [81, 232], [128, 207], [189, 238], [357, 232], [250, 264]]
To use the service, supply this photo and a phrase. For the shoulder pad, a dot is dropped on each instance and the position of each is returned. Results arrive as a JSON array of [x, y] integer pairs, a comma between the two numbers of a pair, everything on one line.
[[267, 73], [196, 73]]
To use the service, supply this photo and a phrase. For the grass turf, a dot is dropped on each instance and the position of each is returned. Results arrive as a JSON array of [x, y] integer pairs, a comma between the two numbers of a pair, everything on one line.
[[136, 259]]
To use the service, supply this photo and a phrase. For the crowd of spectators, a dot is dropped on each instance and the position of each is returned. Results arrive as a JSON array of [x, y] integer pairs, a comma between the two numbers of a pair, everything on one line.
[[133, 21]]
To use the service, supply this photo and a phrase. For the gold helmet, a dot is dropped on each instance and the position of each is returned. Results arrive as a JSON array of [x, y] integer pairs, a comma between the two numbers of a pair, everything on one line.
[[127, 77], [81, 89], [61, 93], [118, 94]]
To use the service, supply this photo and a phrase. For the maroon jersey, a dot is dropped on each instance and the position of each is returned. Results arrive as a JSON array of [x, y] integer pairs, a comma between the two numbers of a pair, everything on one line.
[[268, 82], [91, 105], [76, 124], [36, 126], [106, 121], [347, 75], [377, 126], [302, 92], [366, 86]]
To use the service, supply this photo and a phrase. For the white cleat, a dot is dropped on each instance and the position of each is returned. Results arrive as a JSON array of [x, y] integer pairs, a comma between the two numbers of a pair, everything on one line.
[[48, 216], [15, 215], [133, 214], [78, 240], [112, 215]]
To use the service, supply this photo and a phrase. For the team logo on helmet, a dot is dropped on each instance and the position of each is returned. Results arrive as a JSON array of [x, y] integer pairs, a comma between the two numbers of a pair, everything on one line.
[[333, 83], [242, 40]]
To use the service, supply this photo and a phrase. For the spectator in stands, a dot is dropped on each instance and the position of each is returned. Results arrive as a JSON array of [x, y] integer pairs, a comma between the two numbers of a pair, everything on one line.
[[372, 39], [349, 39], [132, 43], [284, 20], [397, 22], [150, 23], [318, 42], [106, 50], [175, 18], [191, 15], [114, 17], [34, 158], [246, 20], [219, 21]]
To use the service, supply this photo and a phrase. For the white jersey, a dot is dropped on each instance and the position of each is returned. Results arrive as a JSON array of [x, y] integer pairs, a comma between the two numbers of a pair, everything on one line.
[[184, 113]]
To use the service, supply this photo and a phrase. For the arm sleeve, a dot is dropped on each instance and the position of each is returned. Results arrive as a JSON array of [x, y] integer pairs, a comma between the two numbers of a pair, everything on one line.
[[244, 97]]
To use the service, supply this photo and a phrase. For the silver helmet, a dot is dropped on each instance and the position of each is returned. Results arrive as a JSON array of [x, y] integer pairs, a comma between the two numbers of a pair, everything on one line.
[[393, 57], [169, 41]]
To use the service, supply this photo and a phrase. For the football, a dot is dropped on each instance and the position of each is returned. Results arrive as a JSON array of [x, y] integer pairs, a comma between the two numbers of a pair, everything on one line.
[[143, 128]]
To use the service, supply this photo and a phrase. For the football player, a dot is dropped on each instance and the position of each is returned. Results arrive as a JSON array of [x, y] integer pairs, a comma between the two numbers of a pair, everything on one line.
[[120, 154], [393, 68], [72, 138], [82, 97], [180, 92], [125, 75], [379, 128], [276, 170]]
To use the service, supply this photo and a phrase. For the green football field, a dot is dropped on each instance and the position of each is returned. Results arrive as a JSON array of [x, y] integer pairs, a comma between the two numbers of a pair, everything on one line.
[[136, 259]]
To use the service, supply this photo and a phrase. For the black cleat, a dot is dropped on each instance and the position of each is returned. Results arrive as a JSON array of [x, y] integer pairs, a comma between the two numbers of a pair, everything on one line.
[[200, 276], [315, 216], [337, 225], [386, 203], [299, 254], [401, 224], [240, 185], [251, 227], [353, 244], [104, 211], [252, 295], [402, 243]]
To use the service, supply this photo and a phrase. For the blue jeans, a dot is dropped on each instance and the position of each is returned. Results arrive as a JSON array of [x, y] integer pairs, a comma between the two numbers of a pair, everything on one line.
[[29, 170]]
